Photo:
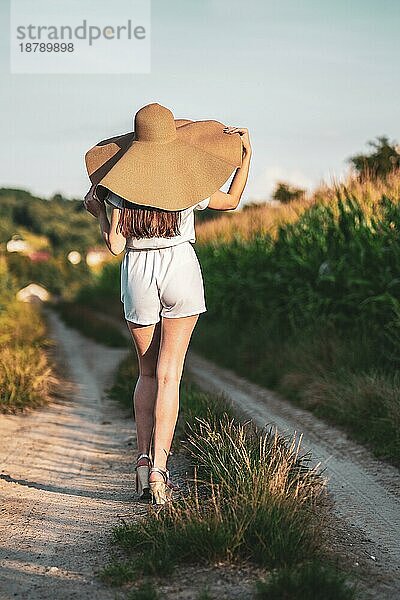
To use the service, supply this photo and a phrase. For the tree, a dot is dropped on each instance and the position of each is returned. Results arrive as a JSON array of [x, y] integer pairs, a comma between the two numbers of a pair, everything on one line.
[[285, 193], [382, 160]]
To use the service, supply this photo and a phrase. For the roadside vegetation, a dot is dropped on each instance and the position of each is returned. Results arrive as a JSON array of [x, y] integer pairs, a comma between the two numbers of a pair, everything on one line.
[[26, 373], [91, 323], [253, 499], [56, 227], [304, 298], [312, 308], [58, 224]]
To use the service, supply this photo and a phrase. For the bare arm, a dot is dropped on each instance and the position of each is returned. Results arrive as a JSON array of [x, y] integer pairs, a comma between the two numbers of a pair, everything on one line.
[[220, 200], [117, 241], [114, 241]]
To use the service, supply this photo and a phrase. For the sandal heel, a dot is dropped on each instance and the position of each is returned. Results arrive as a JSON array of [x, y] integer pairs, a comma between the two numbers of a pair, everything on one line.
[[160, 492], [142, 480]]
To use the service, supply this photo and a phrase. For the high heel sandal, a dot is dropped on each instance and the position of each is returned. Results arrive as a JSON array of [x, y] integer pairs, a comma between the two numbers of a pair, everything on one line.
[[142, 477], [161, 491]]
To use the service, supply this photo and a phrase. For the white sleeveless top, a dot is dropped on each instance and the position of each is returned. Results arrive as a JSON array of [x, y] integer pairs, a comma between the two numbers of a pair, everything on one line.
[[186, 227]]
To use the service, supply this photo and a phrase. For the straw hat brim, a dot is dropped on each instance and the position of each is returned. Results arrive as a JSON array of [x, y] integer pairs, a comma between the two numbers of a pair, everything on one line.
[[171, 175]]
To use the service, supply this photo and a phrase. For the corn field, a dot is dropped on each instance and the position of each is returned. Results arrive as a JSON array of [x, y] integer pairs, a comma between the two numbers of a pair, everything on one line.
[[311, 306], [334, 266]]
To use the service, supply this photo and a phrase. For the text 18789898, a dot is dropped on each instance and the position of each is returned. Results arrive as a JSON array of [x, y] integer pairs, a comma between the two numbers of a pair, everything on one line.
[[46, 47]]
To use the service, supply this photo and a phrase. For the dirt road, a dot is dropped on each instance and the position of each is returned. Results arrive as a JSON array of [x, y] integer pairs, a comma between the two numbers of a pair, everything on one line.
[[65, 481], [66, 478], [366, 491]]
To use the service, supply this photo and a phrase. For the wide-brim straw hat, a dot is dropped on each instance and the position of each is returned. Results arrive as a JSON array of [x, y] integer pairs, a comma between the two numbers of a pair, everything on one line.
[[165, 163]]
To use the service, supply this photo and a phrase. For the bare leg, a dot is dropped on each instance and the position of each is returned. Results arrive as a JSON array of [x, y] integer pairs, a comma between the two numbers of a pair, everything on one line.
[[175, 338], [147, 340]]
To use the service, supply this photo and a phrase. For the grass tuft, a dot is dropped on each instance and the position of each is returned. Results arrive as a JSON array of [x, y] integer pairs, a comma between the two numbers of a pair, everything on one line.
[[308, 581], [25, 378], [146, 591], [252, 497], [117, 573]]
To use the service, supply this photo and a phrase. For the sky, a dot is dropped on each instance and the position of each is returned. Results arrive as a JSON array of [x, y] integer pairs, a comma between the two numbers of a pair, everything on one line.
[[312, 80]]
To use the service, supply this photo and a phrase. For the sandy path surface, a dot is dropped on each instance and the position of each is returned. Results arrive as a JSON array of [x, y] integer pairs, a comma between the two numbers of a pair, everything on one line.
[[66, 478], [366, 491]]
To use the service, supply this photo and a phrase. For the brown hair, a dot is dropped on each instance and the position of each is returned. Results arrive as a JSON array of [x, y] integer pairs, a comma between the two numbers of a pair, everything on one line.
[[145, 222]]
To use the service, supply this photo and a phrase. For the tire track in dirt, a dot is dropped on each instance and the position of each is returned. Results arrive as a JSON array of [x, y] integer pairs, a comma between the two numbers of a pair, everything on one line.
[[365, 490]]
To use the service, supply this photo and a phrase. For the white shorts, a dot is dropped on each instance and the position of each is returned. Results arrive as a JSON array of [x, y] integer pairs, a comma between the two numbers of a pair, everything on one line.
[[159, 282]]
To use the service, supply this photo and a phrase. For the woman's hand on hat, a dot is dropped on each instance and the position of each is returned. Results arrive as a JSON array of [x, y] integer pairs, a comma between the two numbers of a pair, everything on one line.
[[244, 135], [92, 203]]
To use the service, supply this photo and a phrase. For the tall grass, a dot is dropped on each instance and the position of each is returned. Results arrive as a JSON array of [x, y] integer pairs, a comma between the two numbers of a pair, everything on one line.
[[341, 269], [262, 220], [313, 308], [266, 218], [26, 373], [24, 378]]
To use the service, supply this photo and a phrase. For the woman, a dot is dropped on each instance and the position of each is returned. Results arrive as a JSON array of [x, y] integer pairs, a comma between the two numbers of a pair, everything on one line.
[[161, 280]]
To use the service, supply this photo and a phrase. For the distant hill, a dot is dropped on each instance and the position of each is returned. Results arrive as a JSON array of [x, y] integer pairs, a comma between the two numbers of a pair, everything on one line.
[[64, 223]]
